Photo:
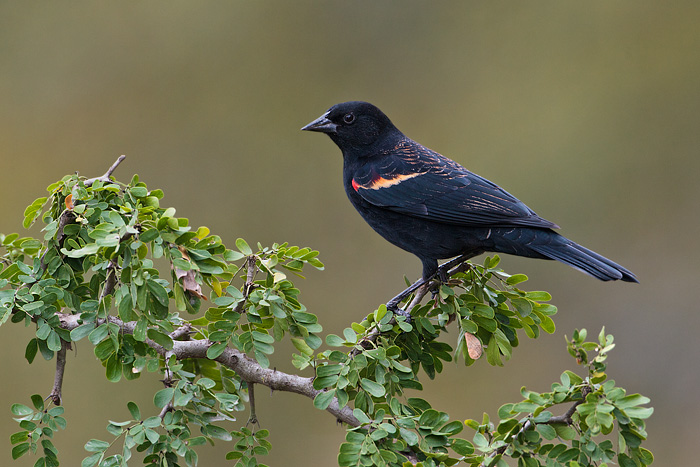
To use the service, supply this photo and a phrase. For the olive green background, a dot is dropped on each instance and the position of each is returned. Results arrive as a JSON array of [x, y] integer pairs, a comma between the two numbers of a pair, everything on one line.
[[587, 111]]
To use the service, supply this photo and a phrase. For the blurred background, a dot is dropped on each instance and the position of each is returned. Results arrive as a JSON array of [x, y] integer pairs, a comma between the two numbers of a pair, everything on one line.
[[588, 112]]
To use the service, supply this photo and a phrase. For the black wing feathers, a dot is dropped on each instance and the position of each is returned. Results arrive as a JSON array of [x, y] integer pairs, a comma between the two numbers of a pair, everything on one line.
[[412, 179]]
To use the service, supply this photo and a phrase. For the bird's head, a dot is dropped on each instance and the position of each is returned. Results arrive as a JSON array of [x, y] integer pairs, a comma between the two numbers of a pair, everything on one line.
[[354, 126]]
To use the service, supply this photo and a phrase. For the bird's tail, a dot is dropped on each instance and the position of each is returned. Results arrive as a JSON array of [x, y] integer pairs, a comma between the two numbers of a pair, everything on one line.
[[554, 246]]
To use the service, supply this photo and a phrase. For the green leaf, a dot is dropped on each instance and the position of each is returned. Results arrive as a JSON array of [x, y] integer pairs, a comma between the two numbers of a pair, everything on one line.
[[113, 368], [95, 445], [140, 329], [539, 296], [19, 437], [631, 401], [20, 449], [31, 306], [104, 349], [89, 249], [230, 255], [375, 389], [98, 334], [53, 342], [323, 399], [216, 349], [547, 324], [152, 422], [139, 191], [547, 431], [452, 428], [31, 350], [92, 460], [20, 410], [334, 340], [159, 292], [125, 308], [516, 279], [639, 412], [149, 235], [161, 339], [38, 402], [162, 397], [410, 437], [302, 346], [243, 247], [217, 432], [430, 418], [523, 306], [134, 410], [361, 416], [81, 331], [462, 447]]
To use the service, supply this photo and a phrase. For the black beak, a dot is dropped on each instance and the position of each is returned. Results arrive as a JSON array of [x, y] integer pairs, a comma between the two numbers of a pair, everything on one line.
[[321, 124]]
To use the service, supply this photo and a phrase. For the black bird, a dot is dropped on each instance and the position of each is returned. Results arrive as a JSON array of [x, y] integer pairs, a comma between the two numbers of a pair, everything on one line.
[[433, 207]]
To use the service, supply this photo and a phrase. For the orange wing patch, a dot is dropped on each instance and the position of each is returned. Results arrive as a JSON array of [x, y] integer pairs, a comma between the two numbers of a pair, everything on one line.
[[381, 182]]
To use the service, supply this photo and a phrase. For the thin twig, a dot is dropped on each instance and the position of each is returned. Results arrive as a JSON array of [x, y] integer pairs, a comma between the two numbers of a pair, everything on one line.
[[253, 419], [168, 408], [564, 419], [394, 302], [55, 395], [421, 287], [167, 382], [106, 175], [252, 270], [110, 280]]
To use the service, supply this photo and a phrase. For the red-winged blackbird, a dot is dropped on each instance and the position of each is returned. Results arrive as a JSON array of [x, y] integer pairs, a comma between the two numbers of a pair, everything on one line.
[[433, 207]]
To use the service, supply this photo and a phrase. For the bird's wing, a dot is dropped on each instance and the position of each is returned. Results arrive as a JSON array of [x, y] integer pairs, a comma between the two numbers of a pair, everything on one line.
[[414, 180]]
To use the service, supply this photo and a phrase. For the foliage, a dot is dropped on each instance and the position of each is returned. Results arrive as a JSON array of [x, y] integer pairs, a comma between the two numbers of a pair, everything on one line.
[[529, 432], [38, 426], [98, 274]]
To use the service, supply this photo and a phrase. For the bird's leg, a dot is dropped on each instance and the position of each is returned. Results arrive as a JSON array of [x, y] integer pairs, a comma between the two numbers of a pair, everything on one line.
[[440, 272], [393, 304]]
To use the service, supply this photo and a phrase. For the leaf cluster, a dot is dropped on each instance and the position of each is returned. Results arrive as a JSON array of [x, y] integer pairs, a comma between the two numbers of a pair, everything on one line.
[[529, 432], [101, 258], [38, 426], [137, 281]]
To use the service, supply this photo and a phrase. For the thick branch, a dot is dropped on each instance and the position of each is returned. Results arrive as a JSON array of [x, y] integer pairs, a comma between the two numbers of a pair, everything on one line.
[[247, 368]]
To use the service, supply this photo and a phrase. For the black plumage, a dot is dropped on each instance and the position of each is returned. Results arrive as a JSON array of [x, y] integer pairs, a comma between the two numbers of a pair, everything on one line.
[[433, 207]]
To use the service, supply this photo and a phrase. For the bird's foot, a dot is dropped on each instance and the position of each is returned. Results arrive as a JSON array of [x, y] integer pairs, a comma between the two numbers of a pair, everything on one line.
[[405, 313]]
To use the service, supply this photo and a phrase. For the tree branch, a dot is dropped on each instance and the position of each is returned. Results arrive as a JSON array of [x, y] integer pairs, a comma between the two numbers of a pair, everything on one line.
[[394, 302], [252, 269], [55, 394], [247, 368], [110, 280], [106, 175], [564, 419], [421, 287]]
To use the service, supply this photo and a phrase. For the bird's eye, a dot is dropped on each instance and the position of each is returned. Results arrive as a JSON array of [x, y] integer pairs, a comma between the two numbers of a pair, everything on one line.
[[349, 118]]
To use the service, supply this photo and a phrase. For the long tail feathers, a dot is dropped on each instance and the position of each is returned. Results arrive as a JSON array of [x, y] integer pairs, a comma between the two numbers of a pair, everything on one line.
[[568, 252]]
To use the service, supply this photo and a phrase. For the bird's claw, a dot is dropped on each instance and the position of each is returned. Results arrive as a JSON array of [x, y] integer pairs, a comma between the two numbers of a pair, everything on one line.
[[404, 313]]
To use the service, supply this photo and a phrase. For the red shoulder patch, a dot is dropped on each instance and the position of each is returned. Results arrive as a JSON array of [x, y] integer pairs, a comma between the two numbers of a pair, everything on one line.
[[379, 182]]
